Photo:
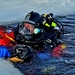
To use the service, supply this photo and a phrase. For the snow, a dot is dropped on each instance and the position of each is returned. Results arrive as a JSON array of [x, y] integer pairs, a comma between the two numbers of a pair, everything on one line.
[[7, 68], [12, 10]]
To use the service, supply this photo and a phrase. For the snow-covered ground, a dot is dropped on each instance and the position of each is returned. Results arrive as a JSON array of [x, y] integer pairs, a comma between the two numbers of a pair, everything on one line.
[[11, 10], [7, 68]]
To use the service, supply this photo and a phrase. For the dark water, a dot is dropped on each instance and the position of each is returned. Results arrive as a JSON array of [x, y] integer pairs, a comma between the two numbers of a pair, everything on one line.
[[64, 65]]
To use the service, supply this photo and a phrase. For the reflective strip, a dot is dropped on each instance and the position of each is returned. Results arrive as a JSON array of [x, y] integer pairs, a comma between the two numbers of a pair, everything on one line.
[[54, 24], [10, 38], [46, 24]]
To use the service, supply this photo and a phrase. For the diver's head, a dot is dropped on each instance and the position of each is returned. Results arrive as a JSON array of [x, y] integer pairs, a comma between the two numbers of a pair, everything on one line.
[[30, 25], [33, 18]]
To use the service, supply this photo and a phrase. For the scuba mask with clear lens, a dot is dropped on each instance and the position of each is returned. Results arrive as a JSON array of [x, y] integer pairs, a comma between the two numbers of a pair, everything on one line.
[[27, 34], [35, 31]]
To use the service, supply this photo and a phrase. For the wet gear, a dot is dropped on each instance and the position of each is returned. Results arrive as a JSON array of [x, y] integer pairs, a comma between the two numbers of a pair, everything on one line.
[[37, 29], [22, 52], [44, 27]]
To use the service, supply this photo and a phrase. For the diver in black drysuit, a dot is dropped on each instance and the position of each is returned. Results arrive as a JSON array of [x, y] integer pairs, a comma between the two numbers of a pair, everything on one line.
[[36, 29], [34, 32]]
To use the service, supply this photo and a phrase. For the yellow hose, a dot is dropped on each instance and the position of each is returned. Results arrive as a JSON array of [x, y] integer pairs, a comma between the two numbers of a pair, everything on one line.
[[10, 38]]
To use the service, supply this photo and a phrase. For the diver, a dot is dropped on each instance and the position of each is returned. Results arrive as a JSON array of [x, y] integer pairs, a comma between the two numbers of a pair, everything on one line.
[[36, 29]]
